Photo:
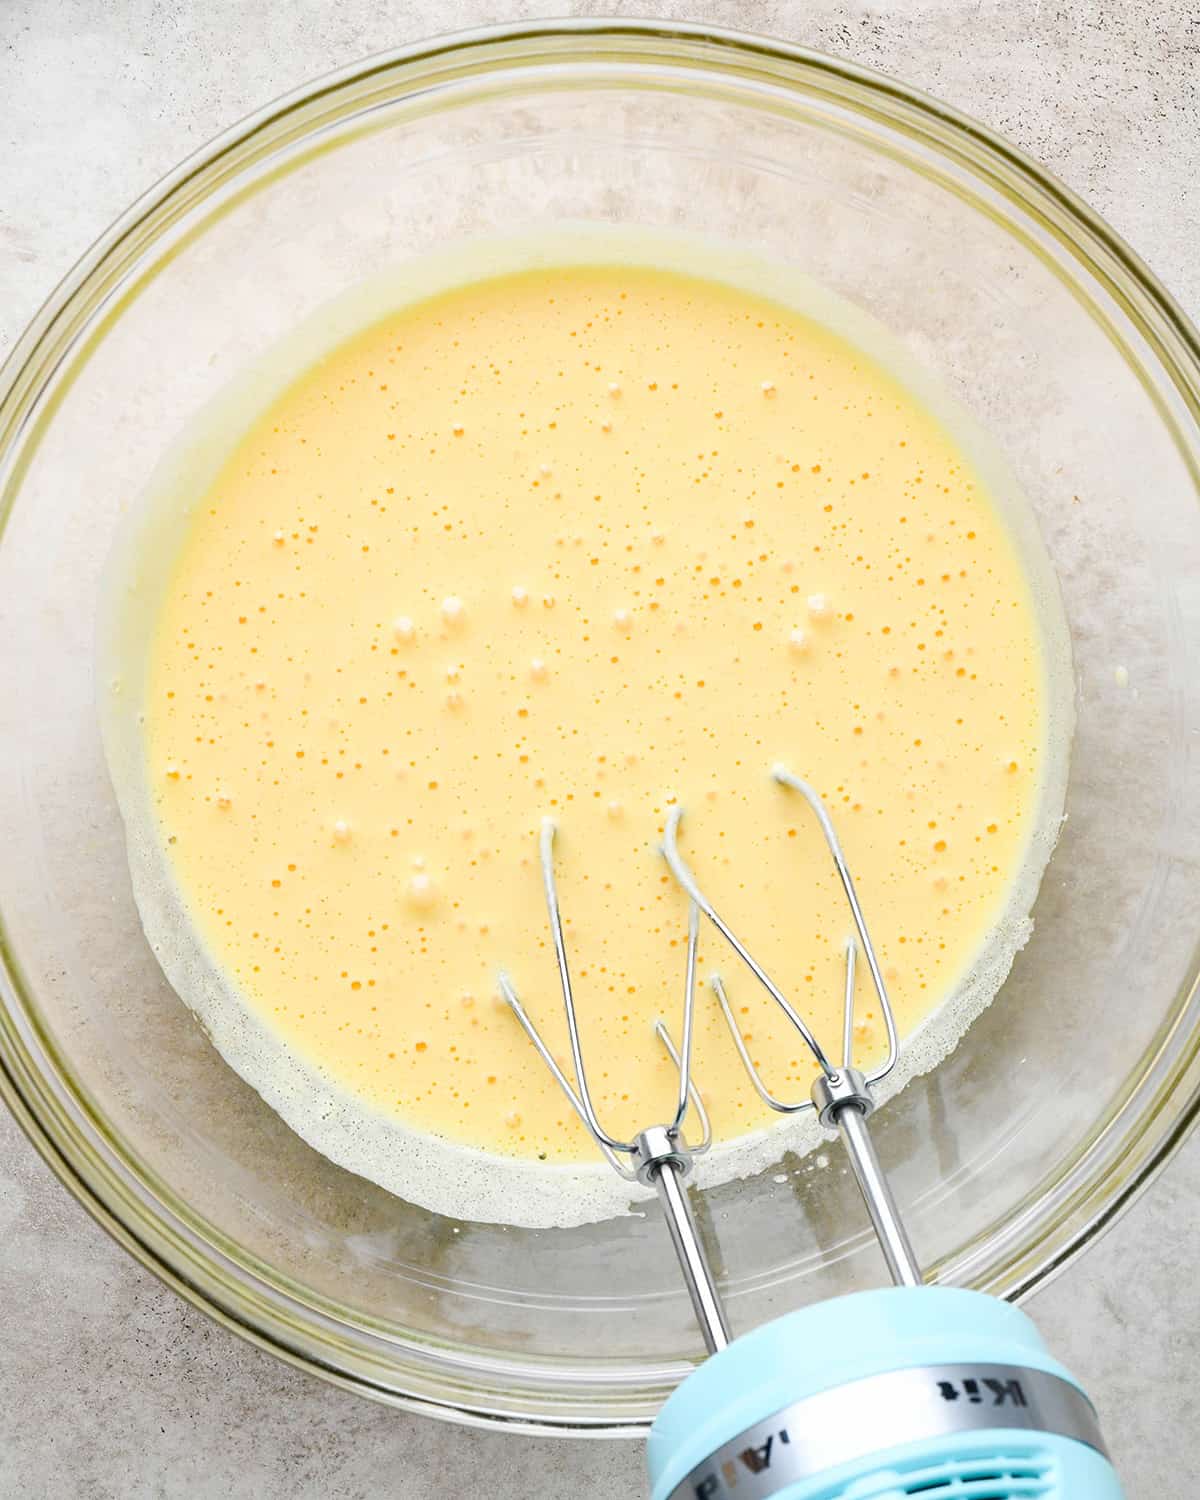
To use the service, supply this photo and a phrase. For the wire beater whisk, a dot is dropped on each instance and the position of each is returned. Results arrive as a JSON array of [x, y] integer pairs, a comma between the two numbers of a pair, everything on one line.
[[841, 1095], [659, 1156]]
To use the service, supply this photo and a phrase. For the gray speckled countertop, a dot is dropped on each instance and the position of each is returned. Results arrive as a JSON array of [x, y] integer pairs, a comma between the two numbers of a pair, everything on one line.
[[109, 1385]]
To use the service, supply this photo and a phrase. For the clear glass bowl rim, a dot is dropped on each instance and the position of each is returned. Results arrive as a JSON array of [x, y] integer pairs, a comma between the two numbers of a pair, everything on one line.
[[36, 1082]]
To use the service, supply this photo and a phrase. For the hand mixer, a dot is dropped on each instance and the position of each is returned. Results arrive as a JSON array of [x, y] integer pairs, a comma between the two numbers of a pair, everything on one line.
[[909, 1390]]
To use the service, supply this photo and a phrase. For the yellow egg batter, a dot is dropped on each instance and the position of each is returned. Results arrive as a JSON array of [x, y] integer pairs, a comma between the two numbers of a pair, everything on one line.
[[586, 542]]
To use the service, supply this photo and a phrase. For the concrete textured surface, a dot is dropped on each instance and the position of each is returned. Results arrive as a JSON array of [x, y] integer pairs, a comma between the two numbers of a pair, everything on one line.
[[109, 1385]]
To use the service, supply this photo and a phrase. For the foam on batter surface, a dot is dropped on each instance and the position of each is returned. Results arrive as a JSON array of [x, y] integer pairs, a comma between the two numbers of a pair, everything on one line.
[[584, 538]]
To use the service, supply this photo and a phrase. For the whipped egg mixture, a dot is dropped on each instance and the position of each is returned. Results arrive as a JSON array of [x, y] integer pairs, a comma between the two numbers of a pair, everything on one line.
[[586, 540]]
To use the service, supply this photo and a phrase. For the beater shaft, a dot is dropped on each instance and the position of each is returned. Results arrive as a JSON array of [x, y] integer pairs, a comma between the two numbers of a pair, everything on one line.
[[667, 1176], [876, 1192]]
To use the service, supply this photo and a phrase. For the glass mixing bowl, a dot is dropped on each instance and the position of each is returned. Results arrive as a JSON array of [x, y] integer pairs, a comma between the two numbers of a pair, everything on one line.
[[1063, 1097]]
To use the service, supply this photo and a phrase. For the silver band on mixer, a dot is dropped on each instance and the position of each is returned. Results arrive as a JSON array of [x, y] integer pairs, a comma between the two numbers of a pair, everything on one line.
[[816, 1434]]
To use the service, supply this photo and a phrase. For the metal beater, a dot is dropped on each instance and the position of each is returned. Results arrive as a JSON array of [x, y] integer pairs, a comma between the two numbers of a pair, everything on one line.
[[914, 1389], [658, 1156]]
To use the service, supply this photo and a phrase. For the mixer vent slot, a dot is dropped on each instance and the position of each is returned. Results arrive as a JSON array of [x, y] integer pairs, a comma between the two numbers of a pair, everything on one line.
[[1010, 1475]]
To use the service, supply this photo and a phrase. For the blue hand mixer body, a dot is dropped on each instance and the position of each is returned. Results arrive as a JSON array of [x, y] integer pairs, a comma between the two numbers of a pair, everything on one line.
[[909, 1390], [905, 1391]]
